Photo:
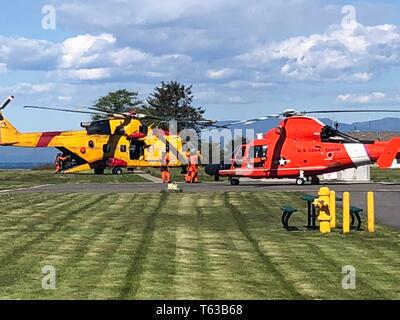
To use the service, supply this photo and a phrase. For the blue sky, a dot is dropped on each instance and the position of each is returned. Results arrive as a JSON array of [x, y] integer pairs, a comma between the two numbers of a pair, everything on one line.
[[245, 58]]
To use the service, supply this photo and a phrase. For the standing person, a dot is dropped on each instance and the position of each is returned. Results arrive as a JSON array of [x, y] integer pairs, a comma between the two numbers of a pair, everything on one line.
[[192, 175], [165, 171], [58, 163]]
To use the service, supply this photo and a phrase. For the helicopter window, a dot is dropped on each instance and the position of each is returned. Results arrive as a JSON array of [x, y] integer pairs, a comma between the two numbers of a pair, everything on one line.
[[144, 129], [329, 134], [123, 148], [260, 154], [260, 151], [99, 127], [106, 148]]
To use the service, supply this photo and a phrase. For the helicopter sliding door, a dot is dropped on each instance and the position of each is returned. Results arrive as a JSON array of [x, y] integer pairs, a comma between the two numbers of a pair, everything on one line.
[[136, 150]]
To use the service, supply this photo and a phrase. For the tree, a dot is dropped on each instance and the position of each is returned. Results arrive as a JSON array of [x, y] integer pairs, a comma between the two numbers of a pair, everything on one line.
[[173, 100], [119, 101]]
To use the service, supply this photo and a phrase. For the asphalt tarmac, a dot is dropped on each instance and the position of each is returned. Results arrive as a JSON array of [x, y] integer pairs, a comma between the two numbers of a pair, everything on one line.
[[387, 196]]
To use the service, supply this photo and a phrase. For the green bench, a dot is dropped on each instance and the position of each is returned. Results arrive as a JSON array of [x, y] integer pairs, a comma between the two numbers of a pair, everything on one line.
[[287, 212]]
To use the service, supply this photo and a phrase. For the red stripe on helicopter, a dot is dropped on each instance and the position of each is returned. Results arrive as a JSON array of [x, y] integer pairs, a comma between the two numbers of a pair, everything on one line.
[[45, 139]]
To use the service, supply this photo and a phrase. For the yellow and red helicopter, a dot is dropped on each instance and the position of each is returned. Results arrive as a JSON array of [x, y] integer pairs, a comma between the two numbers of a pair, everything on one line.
[[302, 147], [120, 141]]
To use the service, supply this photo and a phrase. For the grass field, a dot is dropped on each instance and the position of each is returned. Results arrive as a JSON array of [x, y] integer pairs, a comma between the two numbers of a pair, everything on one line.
[[10, 179], [391, 175], [184, 246]]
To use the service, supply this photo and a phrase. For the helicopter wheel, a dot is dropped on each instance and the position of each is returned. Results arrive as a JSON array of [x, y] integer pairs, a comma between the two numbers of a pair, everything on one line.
[[235, 182], [300, 181], [315, 181], [117, 171], [99, 171]]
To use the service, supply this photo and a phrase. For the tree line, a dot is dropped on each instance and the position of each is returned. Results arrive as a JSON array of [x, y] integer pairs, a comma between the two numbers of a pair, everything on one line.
[[171, 100]]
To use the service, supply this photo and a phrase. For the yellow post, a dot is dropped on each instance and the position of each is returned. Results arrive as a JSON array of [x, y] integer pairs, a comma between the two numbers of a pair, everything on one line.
[[346, 212], [333, 209], [324, 215], [371, 212]]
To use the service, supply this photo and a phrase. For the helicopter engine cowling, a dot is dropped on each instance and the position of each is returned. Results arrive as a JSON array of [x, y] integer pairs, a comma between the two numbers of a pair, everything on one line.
[[137, 135]]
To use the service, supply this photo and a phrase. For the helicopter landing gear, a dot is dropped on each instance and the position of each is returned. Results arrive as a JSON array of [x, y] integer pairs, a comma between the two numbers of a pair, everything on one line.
[[300, 181], [99, 171], [315, 181], [235, 182], [117, 171]]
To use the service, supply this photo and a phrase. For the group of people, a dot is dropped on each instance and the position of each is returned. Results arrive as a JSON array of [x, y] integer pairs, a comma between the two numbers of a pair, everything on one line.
[[192, 172]]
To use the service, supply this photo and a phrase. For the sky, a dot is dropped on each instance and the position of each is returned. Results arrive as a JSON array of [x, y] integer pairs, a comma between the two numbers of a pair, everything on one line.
[[244, 58]]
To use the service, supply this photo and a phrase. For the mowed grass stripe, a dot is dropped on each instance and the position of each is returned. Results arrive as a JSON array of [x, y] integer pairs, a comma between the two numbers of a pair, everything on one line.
[[236, 270], [281, 281], [21, 238], [30, 266], [159, 268], [197, 246], [132, 279]]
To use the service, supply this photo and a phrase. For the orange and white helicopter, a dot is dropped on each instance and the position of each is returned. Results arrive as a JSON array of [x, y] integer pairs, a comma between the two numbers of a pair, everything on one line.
[[302, 147]]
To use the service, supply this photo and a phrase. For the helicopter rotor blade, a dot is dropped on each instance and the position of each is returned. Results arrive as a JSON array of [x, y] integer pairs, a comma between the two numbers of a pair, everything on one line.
[[351, 111], [251, 121], [66, 110], [6, 102]]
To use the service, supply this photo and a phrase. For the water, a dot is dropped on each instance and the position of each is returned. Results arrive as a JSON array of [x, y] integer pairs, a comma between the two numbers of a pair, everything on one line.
[[20, 165]]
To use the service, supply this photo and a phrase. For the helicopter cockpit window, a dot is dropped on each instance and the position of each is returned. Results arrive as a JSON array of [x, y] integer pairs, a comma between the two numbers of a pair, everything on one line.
[[99, 127], [329, 134]]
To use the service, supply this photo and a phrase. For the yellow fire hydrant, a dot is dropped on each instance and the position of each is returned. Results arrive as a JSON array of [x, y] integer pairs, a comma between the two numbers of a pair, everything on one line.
[[324, 216]]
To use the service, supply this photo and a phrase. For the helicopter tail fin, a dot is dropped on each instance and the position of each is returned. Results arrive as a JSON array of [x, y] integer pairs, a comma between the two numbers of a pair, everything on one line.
[[8, 133], [389, 157]]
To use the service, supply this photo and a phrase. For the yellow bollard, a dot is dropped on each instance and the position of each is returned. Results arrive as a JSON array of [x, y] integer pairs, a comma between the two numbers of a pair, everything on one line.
[[324, 216], [346, 212], [333, 209], [371, 212]]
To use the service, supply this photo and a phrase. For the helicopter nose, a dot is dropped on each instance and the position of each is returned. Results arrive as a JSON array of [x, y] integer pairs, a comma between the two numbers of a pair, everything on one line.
[[212, 169]]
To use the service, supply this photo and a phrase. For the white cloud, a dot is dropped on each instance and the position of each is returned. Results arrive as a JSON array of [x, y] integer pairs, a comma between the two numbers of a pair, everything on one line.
[[64, 98], [28, 88], [28, 54], [128, 55], [135, 12], [86, 74], [3, 68], [84, 49], [237, 84], [340, 53], [362, 99], [219, 74]]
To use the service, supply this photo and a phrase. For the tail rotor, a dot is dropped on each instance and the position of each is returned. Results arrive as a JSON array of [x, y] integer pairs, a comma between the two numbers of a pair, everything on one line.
[[6, 102]]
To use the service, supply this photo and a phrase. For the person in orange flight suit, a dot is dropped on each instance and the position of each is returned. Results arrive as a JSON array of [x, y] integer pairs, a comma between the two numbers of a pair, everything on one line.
[[58, 163], [192, 175], [165, 171]]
